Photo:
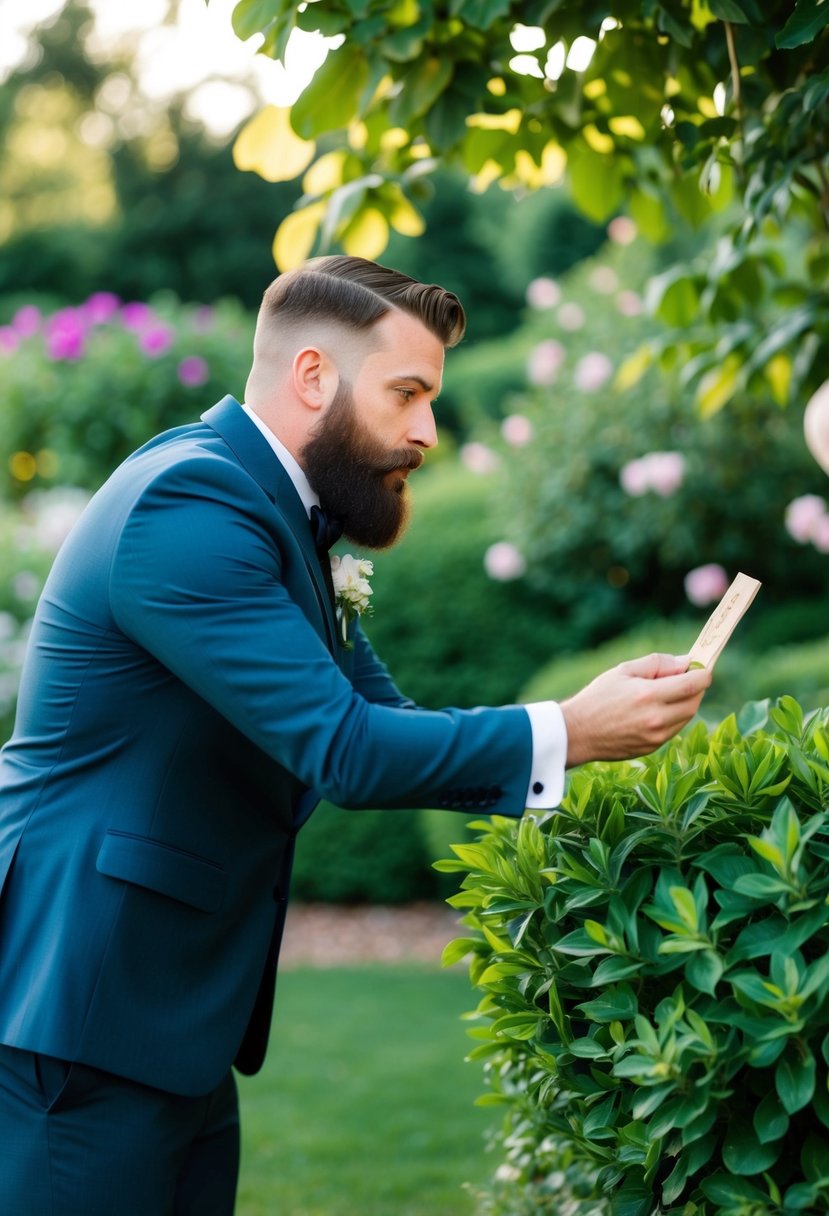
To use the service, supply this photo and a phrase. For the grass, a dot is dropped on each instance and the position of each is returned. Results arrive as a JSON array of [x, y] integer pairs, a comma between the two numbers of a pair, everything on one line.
[[365, 1105]]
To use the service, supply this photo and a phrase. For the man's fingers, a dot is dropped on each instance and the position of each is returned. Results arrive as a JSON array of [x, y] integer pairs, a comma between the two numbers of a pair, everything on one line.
[[656, 666], [685, 687]]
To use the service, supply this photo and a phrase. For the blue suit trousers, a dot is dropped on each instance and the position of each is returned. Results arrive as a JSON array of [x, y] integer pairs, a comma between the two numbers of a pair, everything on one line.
[[75, 1141]]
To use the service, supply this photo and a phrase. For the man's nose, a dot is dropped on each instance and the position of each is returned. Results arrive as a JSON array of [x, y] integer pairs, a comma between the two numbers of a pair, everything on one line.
[[423, 431]]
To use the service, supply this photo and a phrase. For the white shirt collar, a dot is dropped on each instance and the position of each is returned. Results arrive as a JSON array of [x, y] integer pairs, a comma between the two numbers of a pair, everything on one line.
[[288, 462]]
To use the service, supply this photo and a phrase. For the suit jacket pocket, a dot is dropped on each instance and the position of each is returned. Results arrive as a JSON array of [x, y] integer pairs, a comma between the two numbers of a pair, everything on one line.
[[159, 867]]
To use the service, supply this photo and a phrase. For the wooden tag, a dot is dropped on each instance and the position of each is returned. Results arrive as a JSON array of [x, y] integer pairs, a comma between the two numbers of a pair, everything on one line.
[[723, 621]]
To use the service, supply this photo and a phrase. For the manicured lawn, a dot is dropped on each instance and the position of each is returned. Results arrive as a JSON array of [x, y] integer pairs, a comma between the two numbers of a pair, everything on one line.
[[364, 1106]]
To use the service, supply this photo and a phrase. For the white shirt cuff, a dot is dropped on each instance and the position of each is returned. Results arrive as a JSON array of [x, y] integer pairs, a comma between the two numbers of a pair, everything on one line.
[[549, 733]]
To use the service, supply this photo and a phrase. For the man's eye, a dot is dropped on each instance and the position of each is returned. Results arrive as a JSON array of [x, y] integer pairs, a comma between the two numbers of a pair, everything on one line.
[[406, 393]]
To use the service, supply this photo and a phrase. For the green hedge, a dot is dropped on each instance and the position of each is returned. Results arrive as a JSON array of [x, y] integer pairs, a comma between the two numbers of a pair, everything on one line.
[[653, 965], [379, 857]]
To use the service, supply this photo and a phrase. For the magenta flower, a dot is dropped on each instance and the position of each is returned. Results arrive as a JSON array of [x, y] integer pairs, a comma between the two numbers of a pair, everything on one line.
[[504, 562], [100, 307], [544, 362], [9, 340], [156, 340], [65, 335], [193, 371], [136, 316], [27, 321], [543, 293], [591, 371], [706, 584], [803, 516]]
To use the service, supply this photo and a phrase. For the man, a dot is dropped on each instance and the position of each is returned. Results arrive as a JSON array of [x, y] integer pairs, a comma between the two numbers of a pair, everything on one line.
[[186, 699]]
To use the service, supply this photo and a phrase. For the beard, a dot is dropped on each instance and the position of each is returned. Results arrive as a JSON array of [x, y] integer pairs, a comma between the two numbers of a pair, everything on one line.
[[357, 478]]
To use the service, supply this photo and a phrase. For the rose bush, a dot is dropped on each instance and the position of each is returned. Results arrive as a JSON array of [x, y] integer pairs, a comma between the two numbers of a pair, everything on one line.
[[84, 386]]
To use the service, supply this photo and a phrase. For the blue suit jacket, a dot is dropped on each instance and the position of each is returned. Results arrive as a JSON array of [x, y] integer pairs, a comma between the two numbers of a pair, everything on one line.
[[185, 702]]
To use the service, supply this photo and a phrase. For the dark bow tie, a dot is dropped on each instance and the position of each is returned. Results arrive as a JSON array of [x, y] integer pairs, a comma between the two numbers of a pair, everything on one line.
[[326, 529]]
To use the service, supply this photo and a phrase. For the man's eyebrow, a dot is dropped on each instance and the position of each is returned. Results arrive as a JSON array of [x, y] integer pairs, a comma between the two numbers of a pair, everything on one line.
[[424, 384]]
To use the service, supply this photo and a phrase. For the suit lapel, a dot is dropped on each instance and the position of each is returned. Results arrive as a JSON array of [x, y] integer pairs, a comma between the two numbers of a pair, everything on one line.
[[253, 452]]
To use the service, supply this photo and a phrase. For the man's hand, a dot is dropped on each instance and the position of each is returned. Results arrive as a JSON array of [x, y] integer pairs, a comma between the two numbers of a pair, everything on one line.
[[633, 708]]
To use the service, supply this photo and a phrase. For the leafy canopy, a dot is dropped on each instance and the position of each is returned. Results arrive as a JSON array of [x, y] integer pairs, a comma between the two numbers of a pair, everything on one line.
[[670, 108]]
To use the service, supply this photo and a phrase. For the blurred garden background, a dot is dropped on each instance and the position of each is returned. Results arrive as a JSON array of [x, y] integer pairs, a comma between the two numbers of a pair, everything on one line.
[[621, 431]]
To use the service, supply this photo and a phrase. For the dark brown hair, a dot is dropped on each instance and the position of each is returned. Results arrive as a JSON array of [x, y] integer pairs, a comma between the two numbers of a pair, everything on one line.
[[358, 293]]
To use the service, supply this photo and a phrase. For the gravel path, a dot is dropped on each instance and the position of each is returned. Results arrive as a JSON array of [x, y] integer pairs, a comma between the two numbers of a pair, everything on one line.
[[326, 935]]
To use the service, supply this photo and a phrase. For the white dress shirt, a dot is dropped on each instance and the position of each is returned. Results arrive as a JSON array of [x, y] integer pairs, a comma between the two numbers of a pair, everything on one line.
[[549, 732]]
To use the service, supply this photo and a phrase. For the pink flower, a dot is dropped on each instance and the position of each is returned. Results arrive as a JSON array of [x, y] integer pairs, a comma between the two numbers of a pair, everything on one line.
[[803, 515], [544, 362], [604, 279], [65, 335], [634, 477], [100, 307], [156, 340], [591, 371], [503, 562], [629, 303], [26, 321], [136, 316], [478, 458], [517, 430], [667, 471], [662, 472], [622, 230], [543, 293], [820, 534], [193, 370], [203, 319], [9, 340], [570, 317], [706, 585]]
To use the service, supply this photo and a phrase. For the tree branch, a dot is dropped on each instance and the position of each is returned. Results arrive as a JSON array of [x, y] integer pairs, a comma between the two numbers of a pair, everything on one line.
[[735, 69]]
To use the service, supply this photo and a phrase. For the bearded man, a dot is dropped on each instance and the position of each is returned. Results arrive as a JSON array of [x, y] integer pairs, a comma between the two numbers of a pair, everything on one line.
[[187, 698]]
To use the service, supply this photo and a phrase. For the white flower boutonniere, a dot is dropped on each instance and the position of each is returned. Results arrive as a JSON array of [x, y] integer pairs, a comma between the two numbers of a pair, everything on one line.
[[352, 589]]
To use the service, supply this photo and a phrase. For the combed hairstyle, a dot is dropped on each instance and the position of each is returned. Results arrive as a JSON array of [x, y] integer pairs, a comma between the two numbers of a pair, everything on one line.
[[357, 293]]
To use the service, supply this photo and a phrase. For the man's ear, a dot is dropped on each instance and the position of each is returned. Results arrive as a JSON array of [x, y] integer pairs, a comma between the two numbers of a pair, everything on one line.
[[315, 377]]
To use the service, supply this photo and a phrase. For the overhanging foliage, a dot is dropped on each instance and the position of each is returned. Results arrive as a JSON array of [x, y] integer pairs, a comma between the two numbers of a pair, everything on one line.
[[684, 108]]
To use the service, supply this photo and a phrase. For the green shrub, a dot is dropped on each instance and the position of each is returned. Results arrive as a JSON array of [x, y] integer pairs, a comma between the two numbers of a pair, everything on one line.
[[655, 976], [362, 857], [30, 534], [606, 554], [450, 634]]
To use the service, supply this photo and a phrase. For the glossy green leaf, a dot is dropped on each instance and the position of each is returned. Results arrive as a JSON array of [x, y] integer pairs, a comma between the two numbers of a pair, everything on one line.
[[771, 1121], [728, 10], [705, 970], [804, 25], [794, 1080], [332, 99], [743, 1153]]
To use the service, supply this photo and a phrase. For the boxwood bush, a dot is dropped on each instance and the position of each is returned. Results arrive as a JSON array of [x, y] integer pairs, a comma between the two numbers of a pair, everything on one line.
[[655, 978]]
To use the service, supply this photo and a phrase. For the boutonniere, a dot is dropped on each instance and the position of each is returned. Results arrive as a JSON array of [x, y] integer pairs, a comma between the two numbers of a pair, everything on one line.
[[351, 589]]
